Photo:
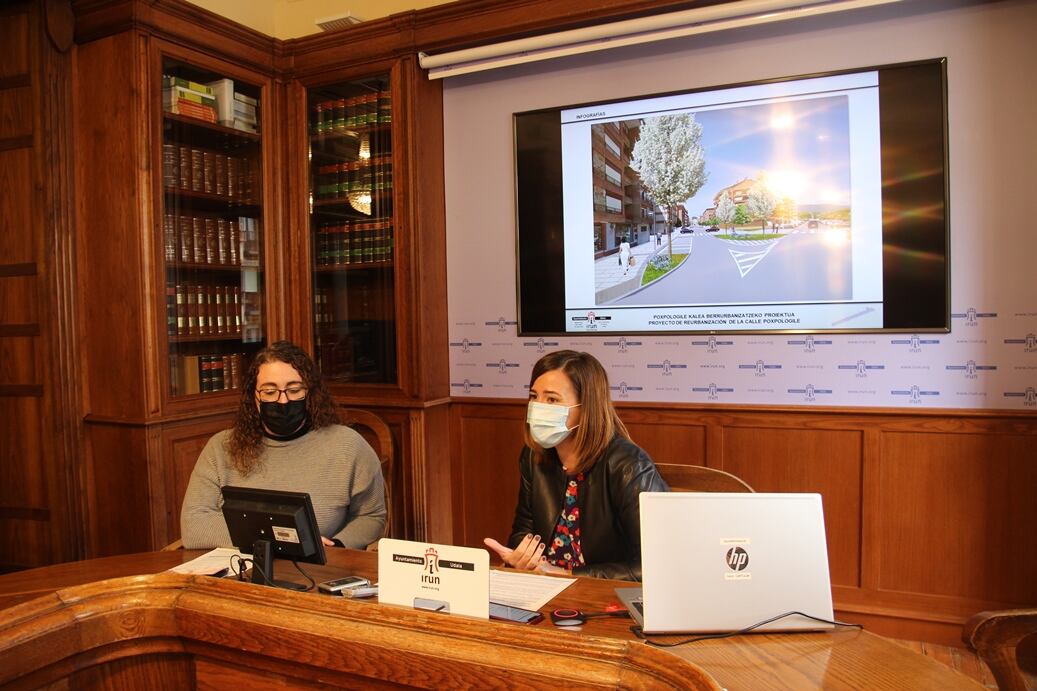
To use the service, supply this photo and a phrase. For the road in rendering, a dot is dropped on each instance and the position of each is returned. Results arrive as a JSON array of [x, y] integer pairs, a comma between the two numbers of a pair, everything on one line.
[[800, 267]]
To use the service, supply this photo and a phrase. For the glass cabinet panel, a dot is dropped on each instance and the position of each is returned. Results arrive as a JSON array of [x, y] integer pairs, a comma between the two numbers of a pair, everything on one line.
[[212, 221], [352, 230]]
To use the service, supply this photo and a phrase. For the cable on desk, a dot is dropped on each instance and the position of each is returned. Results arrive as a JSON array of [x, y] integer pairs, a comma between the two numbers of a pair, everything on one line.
[[748, 629]]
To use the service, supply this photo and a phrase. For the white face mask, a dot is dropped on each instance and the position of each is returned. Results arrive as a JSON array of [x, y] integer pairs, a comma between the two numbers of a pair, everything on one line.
[[547, 423]]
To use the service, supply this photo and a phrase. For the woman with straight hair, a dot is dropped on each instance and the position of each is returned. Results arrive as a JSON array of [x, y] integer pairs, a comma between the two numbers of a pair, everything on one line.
[[581, 477], [287, 436]]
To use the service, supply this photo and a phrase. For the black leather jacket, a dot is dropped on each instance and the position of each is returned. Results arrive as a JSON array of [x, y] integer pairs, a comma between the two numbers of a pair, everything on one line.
[[610, 519]]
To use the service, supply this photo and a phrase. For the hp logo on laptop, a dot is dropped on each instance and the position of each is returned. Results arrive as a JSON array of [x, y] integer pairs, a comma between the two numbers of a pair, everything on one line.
[[737, 558]]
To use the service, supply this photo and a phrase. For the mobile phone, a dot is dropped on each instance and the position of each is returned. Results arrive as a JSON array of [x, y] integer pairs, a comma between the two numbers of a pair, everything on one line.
[[339, 585], [516, 614]]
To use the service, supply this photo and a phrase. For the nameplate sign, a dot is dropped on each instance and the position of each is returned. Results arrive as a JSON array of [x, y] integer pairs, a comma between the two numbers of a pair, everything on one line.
[[440, 578]]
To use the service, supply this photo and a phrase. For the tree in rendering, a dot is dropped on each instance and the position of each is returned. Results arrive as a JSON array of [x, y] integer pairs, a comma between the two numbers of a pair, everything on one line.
[[725, 212], [762, 201], [669, 158]]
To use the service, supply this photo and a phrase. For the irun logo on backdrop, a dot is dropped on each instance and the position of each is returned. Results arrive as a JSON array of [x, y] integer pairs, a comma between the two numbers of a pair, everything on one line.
[[502, 365], [761, 367], [915, 342], [1029, 396], [541, 345], [622, 344], [712, 391], [915, 392], [667, 367], [809, 342], [811, 392], [862, 368], [465, 345], [466, 386], [1030, 341], [972, 316], [971, 369], [624, 389], [712, 343], [502, 324]]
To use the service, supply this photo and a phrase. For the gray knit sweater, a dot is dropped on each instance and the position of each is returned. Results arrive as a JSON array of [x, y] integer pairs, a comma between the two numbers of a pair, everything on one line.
[[334, 464]]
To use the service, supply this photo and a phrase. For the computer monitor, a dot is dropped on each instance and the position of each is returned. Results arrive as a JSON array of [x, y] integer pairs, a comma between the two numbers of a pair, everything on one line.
[[273, 524]]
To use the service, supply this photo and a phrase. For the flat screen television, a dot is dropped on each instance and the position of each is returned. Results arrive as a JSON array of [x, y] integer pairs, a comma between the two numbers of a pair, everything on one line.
[[813, 203], [273, 524]]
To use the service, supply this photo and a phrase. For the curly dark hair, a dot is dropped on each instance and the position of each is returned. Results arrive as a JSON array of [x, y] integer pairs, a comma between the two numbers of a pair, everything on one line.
[[246, 439]]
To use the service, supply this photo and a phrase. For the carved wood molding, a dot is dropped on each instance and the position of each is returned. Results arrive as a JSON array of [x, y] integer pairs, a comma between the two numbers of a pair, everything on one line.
[[308, 638]]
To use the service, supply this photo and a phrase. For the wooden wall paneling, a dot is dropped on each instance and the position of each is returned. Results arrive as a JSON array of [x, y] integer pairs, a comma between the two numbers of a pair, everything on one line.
[[118, 514], [24, 502], [16, 112], [794, 460], [60, 354], [15, 39], [420, 223], [957, 516], [18, 242], [37, 514], [181, 444], [437, 478], [297, 260], [490, 441], [667, 440], [109, 237]]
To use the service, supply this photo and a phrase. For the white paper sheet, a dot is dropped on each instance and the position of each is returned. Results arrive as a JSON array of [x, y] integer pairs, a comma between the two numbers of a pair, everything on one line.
[[212, 563], [525, 590]]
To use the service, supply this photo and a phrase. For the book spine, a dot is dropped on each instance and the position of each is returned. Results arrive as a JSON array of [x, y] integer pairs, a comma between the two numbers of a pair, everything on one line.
[[203, 310], [177, 94], [171, 310], [245, 98], [193, 110], [192, 310], [181, 310], [186, 239], [216, 370], [204, 374], [202, 89]]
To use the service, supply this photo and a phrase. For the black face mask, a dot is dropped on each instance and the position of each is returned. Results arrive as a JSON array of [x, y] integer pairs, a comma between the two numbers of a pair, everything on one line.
[[283, 419]]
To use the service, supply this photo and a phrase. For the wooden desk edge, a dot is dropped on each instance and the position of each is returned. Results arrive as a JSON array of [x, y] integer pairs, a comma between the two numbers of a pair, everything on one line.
[[311, 637]]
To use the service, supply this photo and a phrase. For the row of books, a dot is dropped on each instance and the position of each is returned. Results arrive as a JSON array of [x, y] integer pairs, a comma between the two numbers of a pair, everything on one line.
[[235, 109], [211, 239], [203, 310], [356, 242], [366, 175], [194, 169], [345, 114], [214, 102], [193, 374]]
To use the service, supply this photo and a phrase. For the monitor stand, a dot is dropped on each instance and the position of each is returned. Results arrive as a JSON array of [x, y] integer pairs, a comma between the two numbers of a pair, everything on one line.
[[263, 567]]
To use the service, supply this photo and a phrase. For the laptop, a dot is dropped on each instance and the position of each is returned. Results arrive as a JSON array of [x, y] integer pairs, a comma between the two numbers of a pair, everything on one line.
[[718, 562]]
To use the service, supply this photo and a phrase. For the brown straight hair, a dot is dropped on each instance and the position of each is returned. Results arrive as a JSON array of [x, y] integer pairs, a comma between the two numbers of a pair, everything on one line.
[[599, 422]]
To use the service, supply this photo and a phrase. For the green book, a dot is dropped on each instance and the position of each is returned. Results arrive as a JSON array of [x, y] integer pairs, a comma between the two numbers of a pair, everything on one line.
[[188, 84]]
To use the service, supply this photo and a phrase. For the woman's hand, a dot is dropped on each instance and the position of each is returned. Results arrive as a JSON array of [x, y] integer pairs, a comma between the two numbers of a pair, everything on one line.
[[326, 541], [526, 556], [551, 569]]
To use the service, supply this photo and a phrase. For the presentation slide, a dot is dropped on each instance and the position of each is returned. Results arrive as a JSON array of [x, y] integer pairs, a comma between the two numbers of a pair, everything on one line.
[[747, 208]]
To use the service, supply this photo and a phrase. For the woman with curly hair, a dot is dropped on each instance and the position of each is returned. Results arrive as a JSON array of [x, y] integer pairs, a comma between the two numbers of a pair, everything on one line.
[[287, 436]]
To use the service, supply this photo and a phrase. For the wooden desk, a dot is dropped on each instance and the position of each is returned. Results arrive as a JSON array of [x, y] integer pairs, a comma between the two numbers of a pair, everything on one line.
[[56, 623]]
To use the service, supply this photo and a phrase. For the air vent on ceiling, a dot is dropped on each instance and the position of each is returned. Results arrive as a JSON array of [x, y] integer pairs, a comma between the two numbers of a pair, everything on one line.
[[340, 21]]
